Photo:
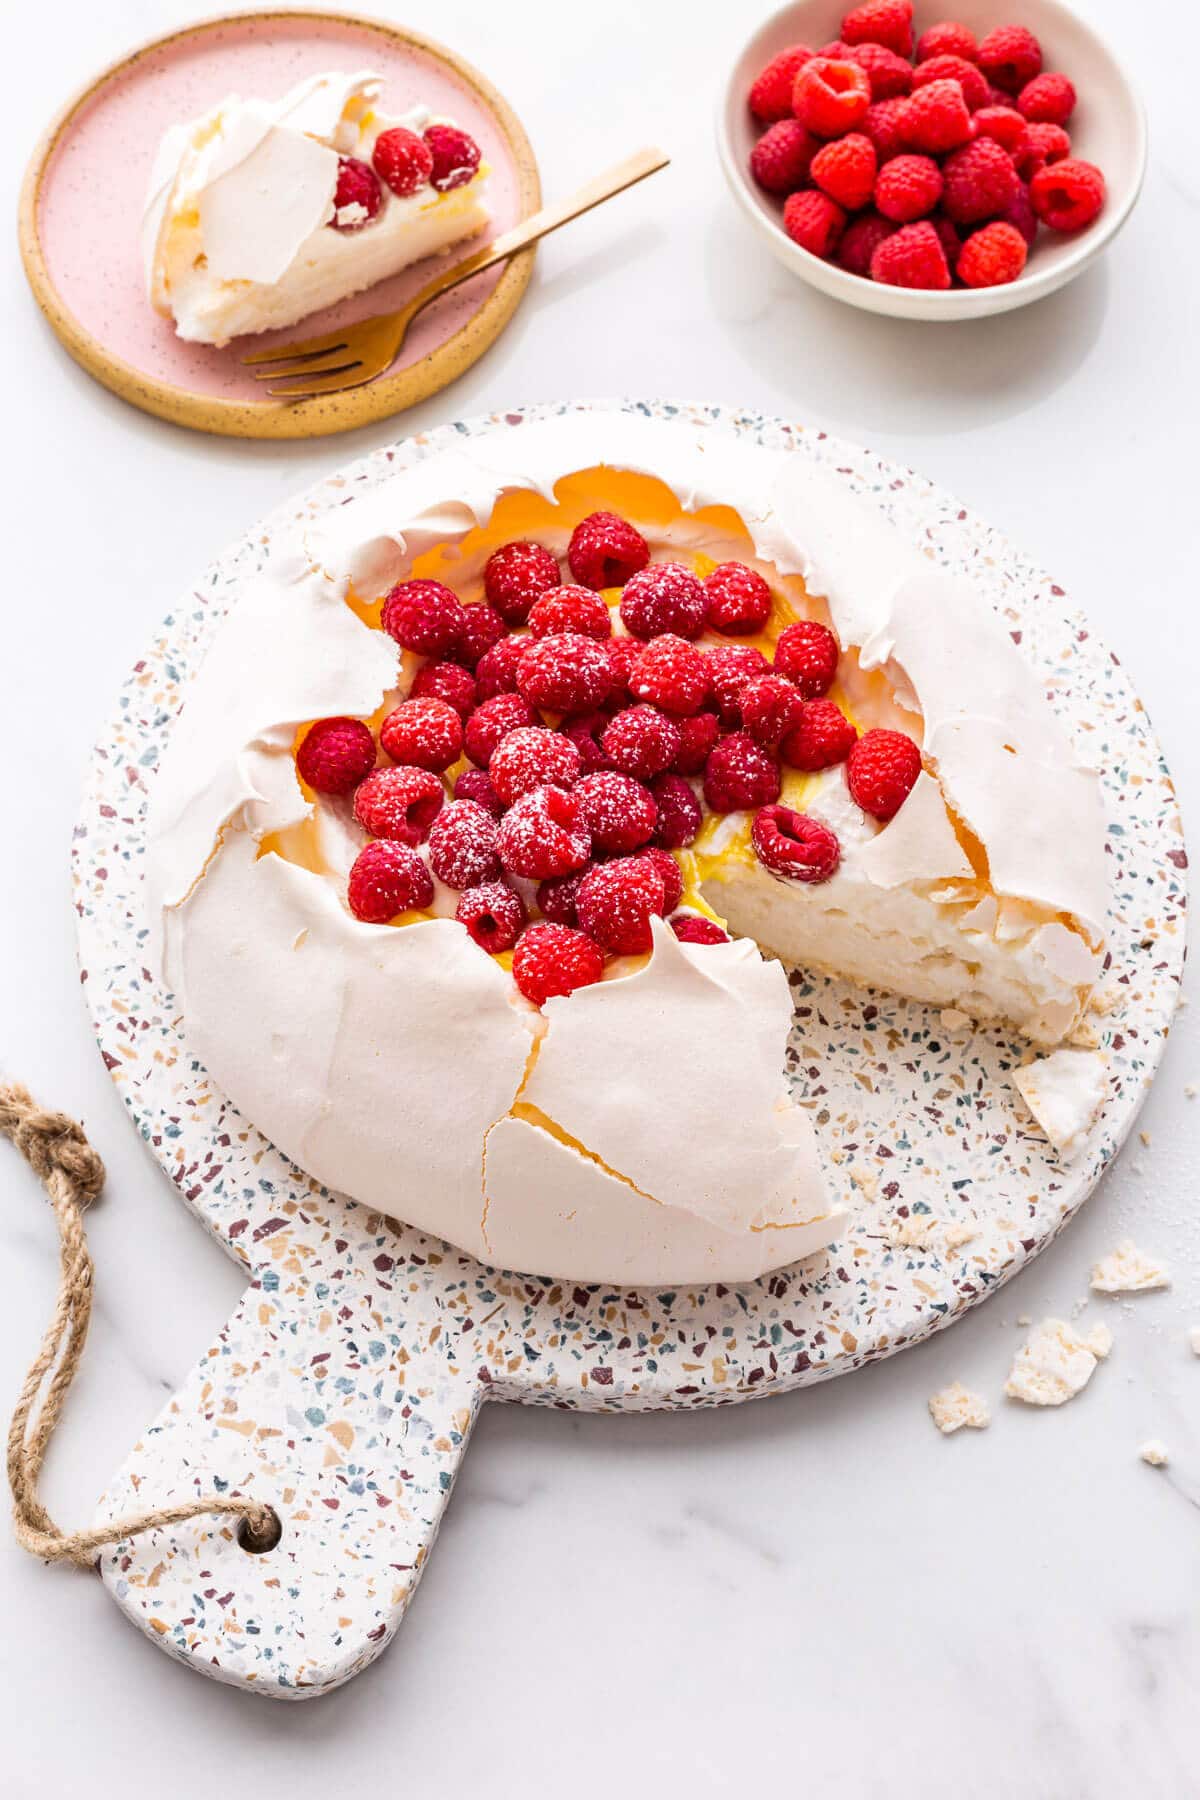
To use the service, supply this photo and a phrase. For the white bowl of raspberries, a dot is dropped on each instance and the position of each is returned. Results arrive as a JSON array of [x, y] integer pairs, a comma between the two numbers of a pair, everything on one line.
[[944, 166]]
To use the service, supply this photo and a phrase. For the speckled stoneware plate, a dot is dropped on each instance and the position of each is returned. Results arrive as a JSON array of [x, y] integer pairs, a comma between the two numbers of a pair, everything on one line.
[[344, 1388]]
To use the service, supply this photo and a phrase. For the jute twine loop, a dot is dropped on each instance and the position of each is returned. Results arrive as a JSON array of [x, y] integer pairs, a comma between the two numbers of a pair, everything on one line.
[[56, 1149]]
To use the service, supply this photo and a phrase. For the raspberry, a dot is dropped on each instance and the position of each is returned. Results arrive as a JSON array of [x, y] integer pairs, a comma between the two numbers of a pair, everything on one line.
[[424, 616], [948, 238], [496, 672], [912, 257], [473, 784], [623, 652], [881, 771], [1019, 212], [887, 22], [669, 873], [672, 674], [335, 755], [823, 737], [1067, 195], [493, 915], [738, 600], [403, 160], [445, 681], [425, 733], [1043, 144], [606, 550], [887, 73], [1010, 57], [831, 97], [515, 576], [884, 126], [584, 732], [462, 845], [974, 86], [1047, 100], [553, 959], [567, 673], [807, 653], [908, 187], [947, 39], [730, 667], [556, 898], [492, 721], [1005, 125], [575, 609], [387, 879], [616, 902], [679, 814], [544, 834], [455, 156], [845, 170], [779, 162], [770, 707], [794, 846], [697, 736], [399, 803], [693, 928], [936, 117], [860, 240], [814, 221], [641, 741], [483, 629], [619, 812], [740, 773], [664, 597], [980, 182], [357, 191], [532, 757], [992, 255], [770, 96]]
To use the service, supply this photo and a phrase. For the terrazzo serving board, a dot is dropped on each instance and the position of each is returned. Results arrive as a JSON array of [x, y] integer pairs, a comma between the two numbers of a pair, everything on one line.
[[344, 1388]]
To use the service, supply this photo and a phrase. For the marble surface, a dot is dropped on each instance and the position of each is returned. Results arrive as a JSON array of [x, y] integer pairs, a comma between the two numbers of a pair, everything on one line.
[[815, 1589]]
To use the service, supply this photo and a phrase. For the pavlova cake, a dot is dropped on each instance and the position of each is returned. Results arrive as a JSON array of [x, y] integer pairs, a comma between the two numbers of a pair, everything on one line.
[[261, 212], [501, 792]]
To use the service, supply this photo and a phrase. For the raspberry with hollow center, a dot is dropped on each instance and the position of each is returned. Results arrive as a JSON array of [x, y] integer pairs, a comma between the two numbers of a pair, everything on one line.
[[552, 959], [493, 915], [462, 845], [974, 85], [936, 117], [403, 160], [792, 845], [473, 784], [980, 181], [730, 667], [780, 160], [426, 733], [831, 96], [530, 757], [770, 96], [544, 834], [1010, 56], [882, 771], [483, 629], [1067, 195], [424, 616], [886, 22], [455, 157], [492, 721], [584, 732], [606, 550], [991, 256], [697, 736], [358, 191], [672, 674], [387, 879], [619, 812], [665, 597], [556, 898], [616, 902], [807, 653], [446, 681], [567, 673], [570, 609], [845, 170], [738, 600], [516, 575], [694, 928], [948, 38], [770, 707], [739, 774], [399, 803], [669, 873], [912, 257], [860, 240], [496, 671], [823, 737], [335, 754], [908, 187], [679, 814], [814, 221], [641, 741], [888, 74]]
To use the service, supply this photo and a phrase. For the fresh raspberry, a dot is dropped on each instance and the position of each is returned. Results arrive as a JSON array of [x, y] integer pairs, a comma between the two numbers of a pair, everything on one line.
[[887, 73], [697, 736], [669, 873], [947, 39], [1043, 144], [606, 550], [770, 94], [831, 97], [619, 812], [908, 188], [665, 597], [814, 221], [845, 170], [837, 50], [623, 652], [860, 240], [1010, 56], [424, 616], [446, 681], [358, 194], [974, 85], [616, 902], [544, 834], [882, 770], [1019, 212], [428, 734], [672, 674], [584, 732], [694, 928], [740, 773], [1067, 195], [568, 673], [780, 160], [492, 721], [770, 708], [887, 22], [730, 667], [823, 737], [335, 755], [1047, 100], [794, 846], [455, 156], [556, 898], [738, 600], [575, 609], [997, 96], [516, 575], [679, 814], [992, 256], [532, 757], [496, 672], [641, 741], [980, 182], [807, 653], [403, 160], [399, 803], [948, 238], [483, 629], [462, 845], [474, 785], [387, 879], [552, 959], [493, 915], [912, 257], [936, 118], [884, 126], [1006, 126]]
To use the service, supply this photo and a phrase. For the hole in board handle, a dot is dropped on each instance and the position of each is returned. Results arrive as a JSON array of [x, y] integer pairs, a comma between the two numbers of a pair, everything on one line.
[[257, 1540]]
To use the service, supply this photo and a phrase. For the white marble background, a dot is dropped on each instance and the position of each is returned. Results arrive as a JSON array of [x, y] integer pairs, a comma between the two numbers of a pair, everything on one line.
[[816, 1593]]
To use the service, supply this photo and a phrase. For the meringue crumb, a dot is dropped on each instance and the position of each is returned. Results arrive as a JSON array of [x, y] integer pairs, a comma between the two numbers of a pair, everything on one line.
[[1155, 1452], [1194, 1340], [955, 1406], [1065, 1092], [954, 1020], [866, 1181], [1128, 1270], [1086, 1035], [1145, 1137], [1056, 1363], [1191, 1089], [1024, 1319], [920, 1231]]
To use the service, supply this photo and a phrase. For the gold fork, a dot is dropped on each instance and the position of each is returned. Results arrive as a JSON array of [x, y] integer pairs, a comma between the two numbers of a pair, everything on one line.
[[358, 353]]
